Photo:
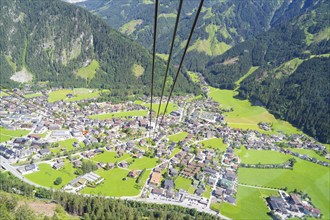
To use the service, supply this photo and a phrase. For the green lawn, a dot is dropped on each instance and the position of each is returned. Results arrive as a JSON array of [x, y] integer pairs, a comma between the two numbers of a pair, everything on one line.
[[183, 183], [178, 137], [249, 205], [215, 206], [88, 72], [215, 143], [311, 178], [261, 156], [29, 96], [245, 115], [47, 175], [144, 162], [64, 144], [6, 134], [175, 151], [114, 185], [79, 94], [110, 157], [207, 192], [119, 114]]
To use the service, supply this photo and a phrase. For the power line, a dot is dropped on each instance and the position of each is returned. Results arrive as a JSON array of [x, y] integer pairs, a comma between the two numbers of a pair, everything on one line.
[[184, 54], [153, 57], [169, 59]]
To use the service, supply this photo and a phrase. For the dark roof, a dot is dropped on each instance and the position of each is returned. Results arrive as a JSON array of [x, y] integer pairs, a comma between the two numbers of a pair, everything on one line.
[[168, 183]]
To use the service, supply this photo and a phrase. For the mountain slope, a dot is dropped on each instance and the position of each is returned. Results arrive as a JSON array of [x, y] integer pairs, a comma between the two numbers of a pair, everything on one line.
[[69, 47], [293, 75], [222, 23]]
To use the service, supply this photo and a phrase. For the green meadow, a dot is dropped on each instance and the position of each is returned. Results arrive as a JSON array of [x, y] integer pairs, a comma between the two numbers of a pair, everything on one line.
[[215, 143], [184, 183], [47, 175], [249, 204], [310, 153], [78, 94], [30, 96], [261, 156], [178, 137], [308, 177], [144, 162], [193, 76], [116, 183], [88, 72], [64, 144], [6, 134], [247, 116], [120, 114]]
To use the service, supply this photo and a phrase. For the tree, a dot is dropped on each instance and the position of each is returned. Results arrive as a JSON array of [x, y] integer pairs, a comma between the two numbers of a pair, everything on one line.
[[24, 213], [58, 181]]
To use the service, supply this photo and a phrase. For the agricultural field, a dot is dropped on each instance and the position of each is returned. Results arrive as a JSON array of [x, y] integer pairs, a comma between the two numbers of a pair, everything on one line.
[[261, 156], [247, 116], [6, 134], [215, 143], [78, 94], [250, 203], [116, 183], [178, 137], [308, 177], [47, 175], [119, 114], [107, 157]]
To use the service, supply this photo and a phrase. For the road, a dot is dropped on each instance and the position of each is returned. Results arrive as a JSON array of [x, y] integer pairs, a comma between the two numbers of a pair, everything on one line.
[[6, 165], [257, 187]]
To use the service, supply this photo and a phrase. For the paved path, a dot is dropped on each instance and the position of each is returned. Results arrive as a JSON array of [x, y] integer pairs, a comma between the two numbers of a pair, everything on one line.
[[256, 187]]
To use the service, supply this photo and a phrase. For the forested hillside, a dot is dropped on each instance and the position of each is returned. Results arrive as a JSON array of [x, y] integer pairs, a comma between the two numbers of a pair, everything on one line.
[[69, 47], [91, 208], [293, 75], [222, 23]]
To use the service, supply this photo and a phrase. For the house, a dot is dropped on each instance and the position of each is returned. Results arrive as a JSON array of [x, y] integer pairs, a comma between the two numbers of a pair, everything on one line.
[[155, 179], [174, 172], [199, 191], [157, 191], [133, 173], [168, 184], [31, 168], [57, 166], [123, 164], [276, 203], [44, 152]]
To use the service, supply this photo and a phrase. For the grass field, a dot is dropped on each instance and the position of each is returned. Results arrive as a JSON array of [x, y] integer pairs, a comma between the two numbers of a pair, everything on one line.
[[193, 76], [119, 114], [30, 96], [183, 183], [215, 143], [178, 137], [79, 94], [64, 144], [129, 27], [261, 156], [110, 157], [171, 107], [115, 185], [6, 135], [246, 116], [215, 206], [249, 205], [311, 178], [251, 70], [163, 56], [144, 162], [137, 70], [88, 72], [47, 175]]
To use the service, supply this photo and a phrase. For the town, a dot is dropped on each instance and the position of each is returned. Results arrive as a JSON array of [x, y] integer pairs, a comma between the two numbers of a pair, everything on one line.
[[190, 159]]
